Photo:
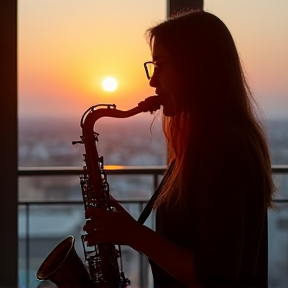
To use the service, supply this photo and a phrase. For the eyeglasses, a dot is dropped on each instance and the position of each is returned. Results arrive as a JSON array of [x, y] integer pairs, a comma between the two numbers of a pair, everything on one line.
[[150, 68]]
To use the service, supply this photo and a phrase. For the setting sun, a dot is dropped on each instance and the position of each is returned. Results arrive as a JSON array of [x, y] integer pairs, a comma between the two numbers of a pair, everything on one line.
[[109, 84]]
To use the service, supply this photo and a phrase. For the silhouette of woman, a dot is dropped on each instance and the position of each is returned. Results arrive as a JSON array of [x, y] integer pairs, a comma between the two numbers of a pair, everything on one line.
[[211, 214]]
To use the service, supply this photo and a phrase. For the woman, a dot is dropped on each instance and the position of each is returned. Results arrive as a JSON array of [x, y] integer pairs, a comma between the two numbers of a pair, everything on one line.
[[211, 219]]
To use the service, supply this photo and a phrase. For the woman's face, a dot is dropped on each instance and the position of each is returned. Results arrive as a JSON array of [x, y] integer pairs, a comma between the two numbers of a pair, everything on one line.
[[165, 79]]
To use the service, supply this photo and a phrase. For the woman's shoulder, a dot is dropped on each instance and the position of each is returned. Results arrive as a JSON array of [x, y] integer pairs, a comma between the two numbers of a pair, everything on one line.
[[226, 147]]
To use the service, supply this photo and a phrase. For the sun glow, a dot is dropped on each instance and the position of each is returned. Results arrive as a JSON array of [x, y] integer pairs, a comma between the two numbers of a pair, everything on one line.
[[109, 84]]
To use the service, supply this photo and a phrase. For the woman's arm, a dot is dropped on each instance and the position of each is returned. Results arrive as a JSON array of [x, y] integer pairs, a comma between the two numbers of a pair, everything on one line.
[[119, 227], [176, 261]]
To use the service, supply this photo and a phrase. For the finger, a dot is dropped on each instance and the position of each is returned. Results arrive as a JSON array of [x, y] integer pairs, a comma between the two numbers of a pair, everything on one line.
[[112, 198], [92, 212], [117, 205], [91, 238], [89, 226], [114, 202], [94, 238]]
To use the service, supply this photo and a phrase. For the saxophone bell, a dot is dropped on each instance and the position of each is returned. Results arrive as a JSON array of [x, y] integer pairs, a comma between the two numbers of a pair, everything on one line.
[[64, 267]]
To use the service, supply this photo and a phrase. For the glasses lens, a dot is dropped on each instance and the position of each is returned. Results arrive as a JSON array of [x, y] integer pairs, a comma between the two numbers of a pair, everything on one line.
[[150, 69]]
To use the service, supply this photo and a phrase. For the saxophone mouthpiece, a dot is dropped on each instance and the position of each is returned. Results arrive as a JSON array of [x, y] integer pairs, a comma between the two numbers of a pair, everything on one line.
[[150, 104]]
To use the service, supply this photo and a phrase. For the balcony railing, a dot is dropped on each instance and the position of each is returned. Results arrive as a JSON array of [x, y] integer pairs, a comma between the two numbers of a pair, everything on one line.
[[154, 171]]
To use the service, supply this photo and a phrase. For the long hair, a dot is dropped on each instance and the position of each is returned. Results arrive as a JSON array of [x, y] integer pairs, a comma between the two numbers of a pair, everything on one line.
[[214, 90]]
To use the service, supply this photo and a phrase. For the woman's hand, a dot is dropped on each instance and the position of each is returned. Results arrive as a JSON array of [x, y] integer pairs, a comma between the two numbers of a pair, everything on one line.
[[117, 227]]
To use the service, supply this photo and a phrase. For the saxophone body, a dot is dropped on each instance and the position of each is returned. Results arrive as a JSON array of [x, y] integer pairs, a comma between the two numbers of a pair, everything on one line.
[[102, 267]]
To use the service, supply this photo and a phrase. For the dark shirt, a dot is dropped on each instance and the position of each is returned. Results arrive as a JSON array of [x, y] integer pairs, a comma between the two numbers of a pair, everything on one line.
[[223, 219]]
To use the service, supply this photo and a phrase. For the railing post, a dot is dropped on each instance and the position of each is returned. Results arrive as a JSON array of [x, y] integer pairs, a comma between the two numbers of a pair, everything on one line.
[[27, 242], [143, 262]]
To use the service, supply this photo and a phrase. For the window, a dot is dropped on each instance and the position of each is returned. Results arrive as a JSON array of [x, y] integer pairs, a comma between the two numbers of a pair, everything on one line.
[[66, 49]]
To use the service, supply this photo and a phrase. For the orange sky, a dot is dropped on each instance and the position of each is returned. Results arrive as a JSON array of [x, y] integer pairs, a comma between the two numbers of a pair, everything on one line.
[[67, 47]]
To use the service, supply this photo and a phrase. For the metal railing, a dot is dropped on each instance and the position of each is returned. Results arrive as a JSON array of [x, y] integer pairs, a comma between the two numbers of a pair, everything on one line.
[[153, 171]]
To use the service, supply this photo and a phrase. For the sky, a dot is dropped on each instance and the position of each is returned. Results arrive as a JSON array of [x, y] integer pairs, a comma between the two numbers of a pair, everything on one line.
[[67, 47]]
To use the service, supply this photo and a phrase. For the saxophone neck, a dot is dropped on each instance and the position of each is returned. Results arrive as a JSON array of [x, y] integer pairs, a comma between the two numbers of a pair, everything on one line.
[[90, 117]]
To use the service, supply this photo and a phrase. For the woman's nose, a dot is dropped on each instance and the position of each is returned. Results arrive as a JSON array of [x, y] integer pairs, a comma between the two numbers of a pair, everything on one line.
[[153, 80]]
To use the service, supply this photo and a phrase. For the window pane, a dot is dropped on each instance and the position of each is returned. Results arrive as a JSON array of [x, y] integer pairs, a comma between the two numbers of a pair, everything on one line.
[[66, 49]]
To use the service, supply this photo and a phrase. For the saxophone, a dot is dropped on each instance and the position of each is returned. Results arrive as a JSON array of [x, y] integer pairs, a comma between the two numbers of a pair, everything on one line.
[[63, 266]]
